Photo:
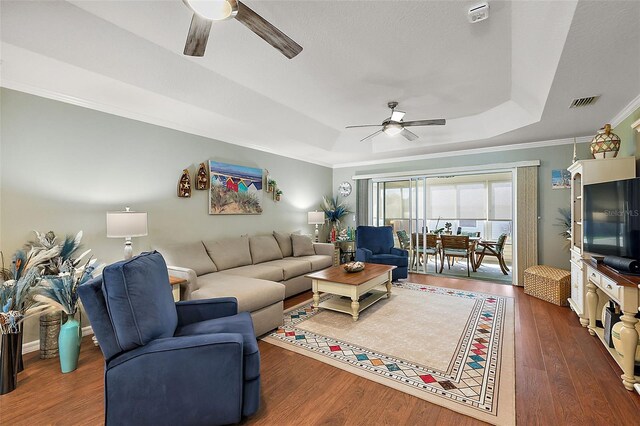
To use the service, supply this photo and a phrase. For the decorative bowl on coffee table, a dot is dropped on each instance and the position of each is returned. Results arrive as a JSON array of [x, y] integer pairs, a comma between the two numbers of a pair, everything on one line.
[[354, 266]]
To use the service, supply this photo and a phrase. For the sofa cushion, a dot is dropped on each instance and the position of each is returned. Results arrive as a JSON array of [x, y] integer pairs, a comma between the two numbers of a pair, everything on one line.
[[188, 255], [291, 267], [318, 261], [264, 248], [139, 300], [252, 294], [263, 272], [302, 245], [230, 252], [240, 323], [284, 241]]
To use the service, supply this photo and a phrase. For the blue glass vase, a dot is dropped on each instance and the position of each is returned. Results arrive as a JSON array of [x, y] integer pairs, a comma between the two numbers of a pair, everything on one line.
[[69, 344]]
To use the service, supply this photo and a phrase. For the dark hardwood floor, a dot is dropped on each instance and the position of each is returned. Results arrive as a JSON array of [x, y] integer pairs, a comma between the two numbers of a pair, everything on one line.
[[563, 376]]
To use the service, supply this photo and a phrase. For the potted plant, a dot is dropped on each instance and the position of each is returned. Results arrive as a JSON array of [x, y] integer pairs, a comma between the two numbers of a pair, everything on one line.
[[277, 195], [271, 185], [437, 230], [447, 227], [564, 221]]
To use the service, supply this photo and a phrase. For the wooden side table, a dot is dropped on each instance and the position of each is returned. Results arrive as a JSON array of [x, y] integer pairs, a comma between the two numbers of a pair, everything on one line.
[[344, 251], [176, 282]]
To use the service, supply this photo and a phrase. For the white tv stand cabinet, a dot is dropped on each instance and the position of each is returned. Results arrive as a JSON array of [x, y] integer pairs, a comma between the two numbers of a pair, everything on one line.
[[603, 281], [585, 172], [592, 284]]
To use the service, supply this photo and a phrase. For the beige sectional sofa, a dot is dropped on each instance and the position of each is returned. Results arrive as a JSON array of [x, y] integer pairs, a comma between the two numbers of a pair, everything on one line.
[[260, 271]]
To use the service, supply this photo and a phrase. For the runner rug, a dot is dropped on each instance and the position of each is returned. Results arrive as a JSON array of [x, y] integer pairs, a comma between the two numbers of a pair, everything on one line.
[[453, 348]]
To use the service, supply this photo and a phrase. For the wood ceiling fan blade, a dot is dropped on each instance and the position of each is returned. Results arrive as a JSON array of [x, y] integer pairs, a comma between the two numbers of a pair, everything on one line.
[[397, 115], [362, 125], [371, 136], [409, 135], [198, 36], [267, 31], [436, 122]]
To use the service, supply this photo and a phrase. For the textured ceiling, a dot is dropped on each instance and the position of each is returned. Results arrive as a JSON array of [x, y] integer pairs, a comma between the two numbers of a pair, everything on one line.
[[506, 80]]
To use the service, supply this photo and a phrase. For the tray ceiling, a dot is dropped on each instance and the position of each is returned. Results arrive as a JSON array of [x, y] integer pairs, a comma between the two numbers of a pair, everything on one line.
[[506, 80]]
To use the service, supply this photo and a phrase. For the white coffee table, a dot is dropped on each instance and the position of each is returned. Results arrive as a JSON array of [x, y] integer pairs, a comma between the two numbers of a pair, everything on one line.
[[337, 281]]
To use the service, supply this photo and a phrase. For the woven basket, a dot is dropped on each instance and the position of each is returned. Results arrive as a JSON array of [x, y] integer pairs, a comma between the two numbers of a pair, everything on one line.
[[550, 284]]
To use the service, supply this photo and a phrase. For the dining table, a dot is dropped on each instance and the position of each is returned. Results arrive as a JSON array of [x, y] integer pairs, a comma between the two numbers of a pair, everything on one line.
[[473, 242]]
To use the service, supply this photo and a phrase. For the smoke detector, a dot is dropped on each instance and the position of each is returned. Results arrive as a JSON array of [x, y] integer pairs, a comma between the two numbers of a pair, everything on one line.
[[479, 12]]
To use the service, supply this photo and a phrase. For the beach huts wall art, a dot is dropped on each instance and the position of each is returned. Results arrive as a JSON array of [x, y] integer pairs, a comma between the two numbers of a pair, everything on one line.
[[234, 189]]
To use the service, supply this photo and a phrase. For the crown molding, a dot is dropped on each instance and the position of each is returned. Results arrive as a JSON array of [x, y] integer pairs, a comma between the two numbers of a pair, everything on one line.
[[626, 112], [461, 170], [474, 151]]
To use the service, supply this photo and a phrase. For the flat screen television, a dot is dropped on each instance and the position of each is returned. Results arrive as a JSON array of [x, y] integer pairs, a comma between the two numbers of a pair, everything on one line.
[[612, 218]]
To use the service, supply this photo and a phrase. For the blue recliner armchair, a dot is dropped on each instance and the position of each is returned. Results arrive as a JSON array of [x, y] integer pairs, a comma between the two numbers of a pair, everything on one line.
[[374, 244], [188, 363]]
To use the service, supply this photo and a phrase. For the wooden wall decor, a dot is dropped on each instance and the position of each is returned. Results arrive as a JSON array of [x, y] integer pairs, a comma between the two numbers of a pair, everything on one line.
[[202, 177], [184, 185]]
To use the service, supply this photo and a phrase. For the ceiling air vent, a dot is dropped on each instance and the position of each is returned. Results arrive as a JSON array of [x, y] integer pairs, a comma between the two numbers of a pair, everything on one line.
[[583, 102]]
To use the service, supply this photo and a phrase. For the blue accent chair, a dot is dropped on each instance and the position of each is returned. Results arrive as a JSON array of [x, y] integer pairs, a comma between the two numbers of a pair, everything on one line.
[[188, 363], [374, 244]]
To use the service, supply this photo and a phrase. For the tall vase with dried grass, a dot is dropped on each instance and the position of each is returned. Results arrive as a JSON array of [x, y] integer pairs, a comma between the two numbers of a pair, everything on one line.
[[51, 321], [334, 210], [16, 304], [60, 292]]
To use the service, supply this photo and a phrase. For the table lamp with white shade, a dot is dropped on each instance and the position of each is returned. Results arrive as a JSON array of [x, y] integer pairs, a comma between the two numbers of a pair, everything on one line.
[[126, 224], [315, 218]]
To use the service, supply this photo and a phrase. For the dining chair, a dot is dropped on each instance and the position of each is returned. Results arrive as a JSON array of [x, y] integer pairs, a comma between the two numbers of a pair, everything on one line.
[[423, 251], [457, 246], [486, 248], [403, 239]]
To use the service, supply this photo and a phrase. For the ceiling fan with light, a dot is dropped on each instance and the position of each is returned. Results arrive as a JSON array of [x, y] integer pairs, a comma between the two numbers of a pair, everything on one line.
[[394, 125], [207, 11]]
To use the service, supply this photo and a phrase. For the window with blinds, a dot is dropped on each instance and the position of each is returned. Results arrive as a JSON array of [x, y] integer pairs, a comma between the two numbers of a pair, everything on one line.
[[469, 201]]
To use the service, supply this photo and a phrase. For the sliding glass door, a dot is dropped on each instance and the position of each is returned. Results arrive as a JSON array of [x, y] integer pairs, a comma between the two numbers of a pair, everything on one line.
[[479, 204], [391, 204]]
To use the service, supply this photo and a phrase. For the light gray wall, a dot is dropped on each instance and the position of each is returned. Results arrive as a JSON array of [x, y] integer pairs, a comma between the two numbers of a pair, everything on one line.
[[62, 167], [553, 250], [629, 137]]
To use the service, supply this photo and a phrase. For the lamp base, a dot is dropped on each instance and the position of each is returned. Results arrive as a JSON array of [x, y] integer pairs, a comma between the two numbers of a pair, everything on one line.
[[317, 233], [128, 249]]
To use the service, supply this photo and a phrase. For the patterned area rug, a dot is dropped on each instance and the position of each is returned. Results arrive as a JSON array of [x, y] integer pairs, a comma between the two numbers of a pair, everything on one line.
[[453, 348]]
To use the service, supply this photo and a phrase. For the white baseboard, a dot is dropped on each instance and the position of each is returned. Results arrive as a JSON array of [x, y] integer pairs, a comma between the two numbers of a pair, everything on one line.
[[35, 345]]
